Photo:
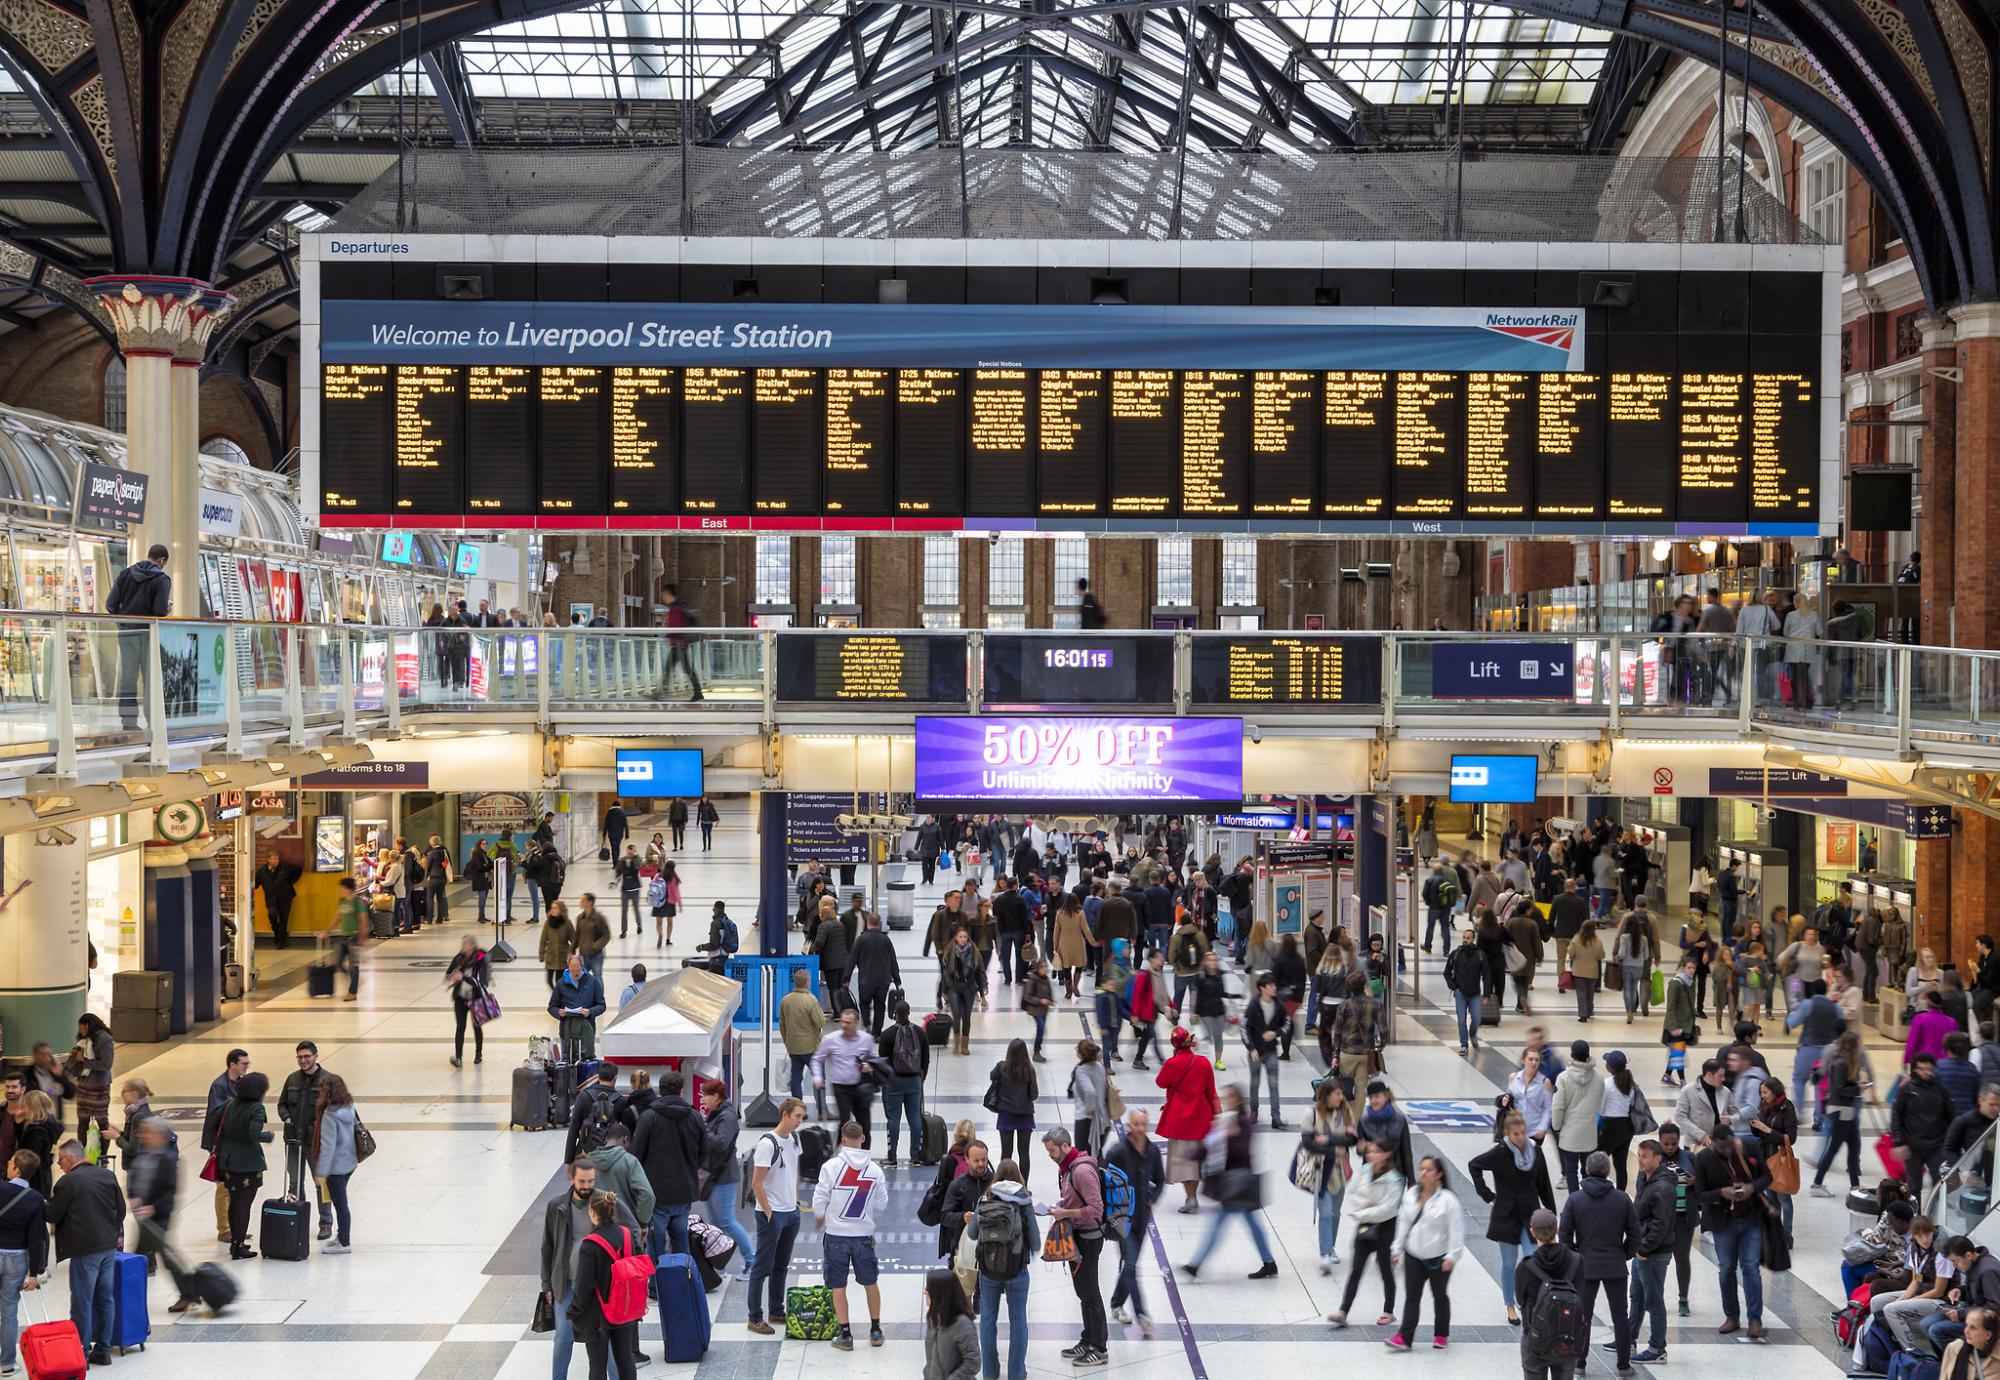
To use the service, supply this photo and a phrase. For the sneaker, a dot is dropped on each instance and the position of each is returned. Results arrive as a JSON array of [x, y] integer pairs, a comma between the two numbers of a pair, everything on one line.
[[1651, 1356], [843, 1340], [1090, 1357], [1145, 1324], [326, 1230], [875, 1337], [1686, 1312], [1119, 1315], [1326, 1264], [1337, 1319], [1193, 1271], [338, 1248], [1397, 1343], [1386, 1320], [1070, 1353], [760, 1327], [1189, 1206], [457, 1062], [1439, 1343], [1820, 1191]]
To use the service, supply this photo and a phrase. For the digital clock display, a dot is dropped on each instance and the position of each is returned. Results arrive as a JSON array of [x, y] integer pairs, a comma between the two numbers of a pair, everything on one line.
[[1048, 668], [1077, 658]]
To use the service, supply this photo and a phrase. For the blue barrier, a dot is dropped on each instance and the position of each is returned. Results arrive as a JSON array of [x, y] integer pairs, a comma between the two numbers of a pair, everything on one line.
[[751, 972]]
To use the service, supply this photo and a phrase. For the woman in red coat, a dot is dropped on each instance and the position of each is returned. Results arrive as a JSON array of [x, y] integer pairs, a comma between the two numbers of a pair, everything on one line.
[[1191, 1107]]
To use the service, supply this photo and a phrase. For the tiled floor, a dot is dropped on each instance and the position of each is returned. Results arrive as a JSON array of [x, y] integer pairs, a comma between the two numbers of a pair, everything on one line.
[[447, 1213]]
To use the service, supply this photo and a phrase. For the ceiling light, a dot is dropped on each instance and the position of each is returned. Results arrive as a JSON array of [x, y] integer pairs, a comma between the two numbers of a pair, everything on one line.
[[1707, 546], [1662, 549]]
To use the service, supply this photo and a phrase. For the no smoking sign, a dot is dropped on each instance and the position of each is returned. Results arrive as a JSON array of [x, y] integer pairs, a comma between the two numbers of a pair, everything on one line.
[[1663, 780]]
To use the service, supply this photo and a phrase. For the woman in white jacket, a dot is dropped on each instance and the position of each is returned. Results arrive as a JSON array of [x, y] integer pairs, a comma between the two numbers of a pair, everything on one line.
[[1373, 1198], [1430, 1238]]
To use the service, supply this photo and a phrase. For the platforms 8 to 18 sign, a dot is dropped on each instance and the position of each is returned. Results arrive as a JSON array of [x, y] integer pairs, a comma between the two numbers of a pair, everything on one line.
[[1079, 762]]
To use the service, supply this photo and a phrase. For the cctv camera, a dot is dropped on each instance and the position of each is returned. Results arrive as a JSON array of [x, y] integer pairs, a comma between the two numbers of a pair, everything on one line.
[[1256, 733]]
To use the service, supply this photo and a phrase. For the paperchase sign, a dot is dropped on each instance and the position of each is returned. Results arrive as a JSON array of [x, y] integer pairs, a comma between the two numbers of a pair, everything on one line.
[[113, 495]]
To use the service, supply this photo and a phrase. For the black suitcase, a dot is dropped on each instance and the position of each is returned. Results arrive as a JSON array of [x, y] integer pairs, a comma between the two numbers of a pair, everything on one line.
[[531, 1098], [381, 924], [285, 1232], [211, 1286], [1489, 1013], [562, 1087], [934, 1138], [319, 979], [937, 1029]]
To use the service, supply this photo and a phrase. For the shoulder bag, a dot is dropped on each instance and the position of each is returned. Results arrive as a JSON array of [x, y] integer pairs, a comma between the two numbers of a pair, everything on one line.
[[1784, 1167]]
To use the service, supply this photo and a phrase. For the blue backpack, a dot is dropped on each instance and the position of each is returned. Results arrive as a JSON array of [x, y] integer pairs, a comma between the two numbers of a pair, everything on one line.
[[1876, 1348], [1121, 1200]]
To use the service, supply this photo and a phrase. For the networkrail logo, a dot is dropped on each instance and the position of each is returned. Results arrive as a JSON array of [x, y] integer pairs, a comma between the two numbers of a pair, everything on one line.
[[1555, 329]]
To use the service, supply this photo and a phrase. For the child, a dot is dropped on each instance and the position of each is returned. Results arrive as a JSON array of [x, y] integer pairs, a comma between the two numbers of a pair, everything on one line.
[[1677, 1062], [1753, 985], [1722, 974]]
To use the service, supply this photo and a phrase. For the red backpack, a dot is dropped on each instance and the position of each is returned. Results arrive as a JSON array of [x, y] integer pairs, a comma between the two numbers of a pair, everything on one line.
[[630, 1274]]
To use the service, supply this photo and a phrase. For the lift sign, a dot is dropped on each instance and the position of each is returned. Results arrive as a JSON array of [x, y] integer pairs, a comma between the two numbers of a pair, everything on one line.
[[1502, 671]]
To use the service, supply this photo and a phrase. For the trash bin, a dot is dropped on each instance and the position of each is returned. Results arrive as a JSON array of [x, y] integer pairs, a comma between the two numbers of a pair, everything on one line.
[[902, 909]]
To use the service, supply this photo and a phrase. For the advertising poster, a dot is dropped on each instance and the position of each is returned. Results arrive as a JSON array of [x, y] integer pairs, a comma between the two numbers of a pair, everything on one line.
[[191, 663]]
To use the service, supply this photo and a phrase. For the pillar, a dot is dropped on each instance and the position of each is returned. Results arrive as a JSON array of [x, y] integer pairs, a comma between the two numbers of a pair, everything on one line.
[[44, 948], [774, 887], [163, 327]]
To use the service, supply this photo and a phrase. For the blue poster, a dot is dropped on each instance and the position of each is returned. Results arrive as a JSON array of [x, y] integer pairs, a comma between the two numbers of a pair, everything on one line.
[[1290, 907], [1502, 671]]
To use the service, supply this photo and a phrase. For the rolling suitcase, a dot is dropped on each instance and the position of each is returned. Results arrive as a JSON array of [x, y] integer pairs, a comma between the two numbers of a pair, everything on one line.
[[562, 1086], [130, 1326], [284, 1229], [531, 1098], [208, 1284], [53, 1350], [934, 1138], [937, 1029], [683, 1308], [319, 976]]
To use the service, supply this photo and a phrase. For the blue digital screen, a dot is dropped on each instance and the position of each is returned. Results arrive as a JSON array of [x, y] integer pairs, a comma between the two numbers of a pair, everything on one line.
[[1482, 780], [659, 771], [399, 548], [466, 560]]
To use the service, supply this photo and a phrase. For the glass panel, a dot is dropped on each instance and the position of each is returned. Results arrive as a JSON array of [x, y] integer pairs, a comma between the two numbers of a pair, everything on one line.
[[774, 570]]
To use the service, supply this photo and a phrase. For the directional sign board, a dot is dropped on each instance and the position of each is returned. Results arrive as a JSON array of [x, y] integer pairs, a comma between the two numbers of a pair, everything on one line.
[[1502, 671]]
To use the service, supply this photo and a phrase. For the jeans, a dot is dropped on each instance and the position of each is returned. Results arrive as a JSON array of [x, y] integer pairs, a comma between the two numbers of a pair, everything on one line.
[[1649, 1296], [93, 1297], [632, 904], [722, 1213], [1015, 1292], [800, 1064], [1572, 1163], [1130, 1247], [1215, 1229], [13, 1274], [565, 1335], [1009, 945], [1146, 1035], [1468, 1018], [1802, 1067], [1326, 1212], [775, 1237], [1614, 1299], [1264, 1065], [707, 836], [1088, 1292], [1438, 921], [670, 1228], [1041, 1019], [1510, 1259], [1842, 1130], [343, 1220], [903, 1100], [1942, 1332], [1739, 1248], [1638, 987], [344, 957], [1607, 900], [595, 963]]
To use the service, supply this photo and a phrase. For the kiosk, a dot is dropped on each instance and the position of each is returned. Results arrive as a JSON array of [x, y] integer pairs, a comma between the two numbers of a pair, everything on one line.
[[681, 1020]]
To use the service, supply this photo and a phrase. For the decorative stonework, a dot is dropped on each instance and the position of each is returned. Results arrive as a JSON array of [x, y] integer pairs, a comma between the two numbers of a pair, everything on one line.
[[52, 37], [17, 263], [1975, 76], [131, 50], [180, 58], [1909, 334], [95, 113], [1847, 349], [161, 316]]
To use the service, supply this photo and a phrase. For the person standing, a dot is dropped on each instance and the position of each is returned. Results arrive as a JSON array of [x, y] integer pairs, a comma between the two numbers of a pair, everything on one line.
[[1082, 1206], [86, 1214], [88, 1066], [707, 817], [220, 1093], [557, 942], [1005, 1239], [1918, 1122], [239, 1156], [298, 1105], [962, 974], [876, 973], [335, 1155], [279, 881], [845, 1201], [1134, 1154], [1521, 1186], [576, 1001], [671, 1143], [1011, 1093], [1547, 1354], [566, 1221], [909, 1057], [631, 890], [1190, 1110], [437, 876], [1600, 1224], [774, 1191], [479, 873], [24, 1250], [350, 935], [143, 589], [801, 1022], [1653, 1193], [677, 819], [1574, 1111], [1430, 1240], [593, 936], [1265, 1024], [468, 977], [1730, 1179], [721, 1127]]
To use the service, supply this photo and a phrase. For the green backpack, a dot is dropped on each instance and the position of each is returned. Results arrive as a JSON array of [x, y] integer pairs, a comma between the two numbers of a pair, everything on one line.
[[809, 1313]]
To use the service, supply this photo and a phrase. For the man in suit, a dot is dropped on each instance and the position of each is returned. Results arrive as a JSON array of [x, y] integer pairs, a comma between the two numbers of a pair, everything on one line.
[[485, 618], [87, 1215]]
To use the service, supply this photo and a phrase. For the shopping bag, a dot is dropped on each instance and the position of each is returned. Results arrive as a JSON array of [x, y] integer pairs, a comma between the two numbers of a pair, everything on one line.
[[1659, 988]]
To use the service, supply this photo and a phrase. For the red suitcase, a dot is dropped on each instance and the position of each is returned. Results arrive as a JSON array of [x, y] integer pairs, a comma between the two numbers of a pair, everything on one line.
[[53, 1351]]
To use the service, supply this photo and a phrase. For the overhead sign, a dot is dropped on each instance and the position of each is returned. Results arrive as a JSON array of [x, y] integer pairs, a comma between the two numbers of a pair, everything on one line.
[[369, 776], [222, 514], [1079, 761], [659, 771], [1270, 819], [112, 495], [811, 835], [1316, 854], [1502, 671], [1761, 781], [1929, 822]]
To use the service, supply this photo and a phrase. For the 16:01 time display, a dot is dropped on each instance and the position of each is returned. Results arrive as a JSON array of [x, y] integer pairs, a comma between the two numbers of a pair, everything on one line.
[[1077, 658]]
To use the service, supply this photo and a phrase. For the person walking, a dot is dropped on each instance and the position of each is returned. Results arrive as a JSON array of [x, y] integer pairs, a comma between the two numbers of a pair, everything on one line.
[[1237, 1189], [1730, 1180], [801, 1023], [576, 1001], [1038, 1000], [1919, 1119], [336, 1155], [1430, 1240], [1005, 1239], [1370, 1204], [876, 973], [608, 1344], [1548, 1350], [279, 881], [1081, 1206], [1654, 1191], [1520, 1185], [1011, 1092], [86, 1215], [1465, 979], [1329, 1135], [1681, 1023], [722, 1124], [707, 817], [349, 932], [1600, 1224], [1190, 1109], [845, 1200], [1586, 967], [1636, 953], [671, 1143], [908, 1054], [557, 942], [1847, 1081], [962, 974], [677, 820], [1133, 1153], [467, 978], [1574, 1111], [24, 1250], [593, 936], [625, 870], [1211, 1003], [840, 1062], [774, 1192], [479, 873]]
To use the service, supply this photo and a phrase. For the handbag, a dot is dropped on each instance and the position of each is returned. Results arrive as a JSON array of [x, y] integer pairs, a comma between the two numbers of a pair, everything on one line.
[[364, 1141], [1565, 981], [1308, 1166], [209, 1172], [1784, 1167], [604, 852], [545, 1314], [1614, 975], [991, 1102], [1059, 1245], [486, 1008]]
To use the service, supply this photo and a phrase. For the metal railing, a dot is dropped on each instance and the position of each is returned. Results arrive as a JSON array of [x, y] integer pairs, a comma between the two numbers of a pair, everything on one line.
[[77, 680]]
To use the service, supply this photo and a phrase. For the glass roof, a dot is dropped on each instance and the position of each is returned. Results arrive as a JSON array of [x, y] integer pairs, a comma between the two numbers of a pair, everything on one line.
[[1087, 74]]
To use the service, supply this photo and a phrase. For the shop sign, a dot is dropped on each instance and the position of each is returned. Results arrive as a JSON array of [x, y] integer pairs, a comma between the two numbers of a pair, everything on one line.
[[113, 495], [222, 513], [1780, 781], [369, 776]]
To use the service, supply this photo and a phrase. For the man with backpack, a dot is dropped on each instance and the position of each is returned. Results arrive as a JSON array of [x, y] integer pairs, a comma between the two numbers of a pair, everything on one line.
[[1134, 1178], [773, 1185], [1549, 1285], [1185, 949], [596, 1110], [1082, 1208], [671, 1144], [909, 1057], [723, 937], [1600, 1223], [619, 1171], [1441, 893]]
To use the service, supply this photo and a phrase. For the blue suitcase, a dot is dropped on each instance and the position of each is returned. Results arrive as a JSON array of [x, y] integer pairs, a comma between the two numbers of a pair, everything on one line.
[[683, 1308], [132, 1326]]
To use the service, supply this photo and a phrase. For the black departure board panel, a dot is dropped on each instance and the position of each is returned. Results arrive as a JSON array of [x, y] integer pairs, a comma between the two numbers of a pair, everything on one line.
[[1085, 668], [1642, 442], [1286, 671], [871, 668]]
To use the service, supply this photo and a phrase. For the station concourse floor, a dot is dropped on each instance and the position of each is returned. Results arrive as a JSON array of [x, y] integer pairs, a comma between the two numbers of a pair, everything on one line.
[[447, 1215]]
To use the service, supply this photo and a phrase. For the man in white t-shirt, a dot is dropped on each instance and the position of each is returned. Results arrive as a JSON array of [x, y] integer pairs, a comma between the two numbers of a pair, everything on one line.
[[774, 1190]]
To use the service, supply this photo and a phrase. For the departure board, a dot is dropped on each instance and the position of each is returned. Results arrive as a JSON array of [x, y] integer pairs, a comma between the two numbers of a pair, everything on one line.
[[573, 440], [715, 440], [1500, 418], [1144, 443], [790, 437], [857, 442], [500, 439], [356, 410], [1359, 436], [1643, 445], [1286, 670], [1429, 444], [930, 442], [1085, 668], [1000, 443], [864, 668], [645, 476], [1284, 441], [1070, 475]]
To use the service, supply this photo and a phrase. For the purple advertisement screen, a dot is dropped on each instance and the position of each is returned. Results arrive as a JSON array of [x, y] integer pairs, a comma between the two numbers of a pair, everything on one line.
[[1043, 760]]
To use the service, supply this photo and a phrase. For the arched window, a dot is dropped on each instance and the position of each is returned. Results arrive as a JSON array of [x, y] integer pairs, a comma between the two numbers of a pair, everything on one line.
[[114, 394], [222, 448]]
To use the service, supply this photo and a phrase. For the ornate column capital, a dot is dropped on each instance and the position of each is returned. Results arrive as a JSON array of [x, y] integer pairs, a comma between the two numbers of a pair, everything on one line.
[[171, 317]]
